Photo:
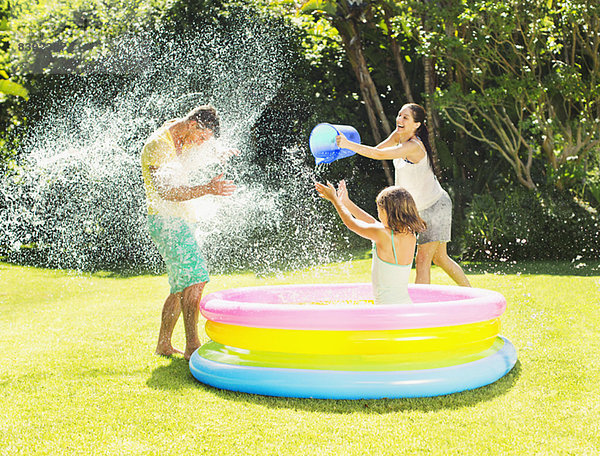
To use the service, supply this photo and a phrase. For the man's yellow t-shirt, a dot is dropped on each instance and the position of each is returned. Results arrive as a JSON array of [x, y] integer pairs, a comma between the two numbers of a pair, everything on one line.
[[159, 152]]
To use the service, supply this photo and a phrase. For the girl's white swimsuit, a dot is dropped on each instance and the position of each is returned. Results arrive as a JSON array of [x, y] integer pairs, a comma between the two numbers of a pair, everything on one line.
[[390, 281]]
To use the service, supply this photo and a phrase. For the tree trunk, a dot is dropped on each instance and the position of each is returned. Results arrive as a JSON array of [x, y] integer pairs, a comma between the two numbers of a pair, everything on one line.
[[398, 58], [432, 119], [375, 112], [430, 84], [363, 88], [355, 44]]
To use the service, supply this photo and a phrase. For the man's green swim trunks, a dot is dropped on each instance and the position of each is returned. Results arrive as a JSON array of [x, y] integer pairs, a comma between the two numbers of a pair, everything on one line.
[[180, 251]]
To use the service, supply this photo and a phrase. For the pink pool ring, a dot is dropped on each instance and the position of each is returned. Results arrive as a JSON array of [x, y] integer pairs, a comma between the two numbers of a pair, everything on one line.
[[348, 307]]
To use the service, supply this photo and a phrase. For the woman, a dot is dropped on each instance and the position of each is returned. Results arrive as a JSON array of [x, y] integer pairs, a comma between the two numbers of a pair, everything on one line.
[[408, 146]]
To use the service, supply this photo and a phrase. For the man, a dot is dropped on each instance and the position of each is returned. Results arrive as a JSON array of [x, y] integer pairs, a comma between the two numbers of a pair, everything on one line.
[[171, 218]]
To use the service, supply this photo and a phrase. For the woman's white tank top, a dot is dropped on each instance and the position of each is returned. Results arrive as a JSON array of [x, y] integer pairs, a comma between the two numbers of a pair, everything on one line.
[[419, 179], [390, 281]]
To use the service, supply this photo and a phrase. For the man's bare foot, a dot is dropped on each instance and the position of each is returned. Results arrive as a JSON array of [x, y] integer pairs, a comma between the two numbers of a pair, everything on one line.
[[189, 351], [167, 350]]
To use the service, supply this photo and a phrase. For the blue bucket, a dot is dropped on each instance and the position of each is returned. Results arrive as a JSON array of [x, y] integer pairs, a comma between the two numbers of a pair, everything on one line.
[[322, 142]]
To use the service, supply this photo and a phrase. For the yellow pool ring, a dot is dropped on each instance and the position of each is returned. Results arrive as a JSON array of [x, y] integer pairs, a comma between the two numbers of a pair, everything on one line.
[[219, 353], [419, 340]]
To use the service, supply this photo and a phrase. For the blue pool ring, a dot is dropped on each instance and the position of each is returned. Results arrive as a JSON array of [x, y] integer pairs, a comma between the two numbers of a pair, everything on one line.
[[331, 384]]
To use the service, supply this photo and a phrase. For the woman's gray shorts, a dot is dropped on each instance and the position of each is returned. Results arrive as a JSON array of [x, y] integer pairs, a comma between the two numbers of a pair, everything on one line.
[[439, 221]]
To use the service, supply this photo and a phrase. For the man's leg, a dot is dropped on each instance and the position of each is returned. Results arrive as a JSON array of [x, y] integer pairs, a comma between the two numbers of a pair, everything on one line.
[[190, 308], [170, 315]]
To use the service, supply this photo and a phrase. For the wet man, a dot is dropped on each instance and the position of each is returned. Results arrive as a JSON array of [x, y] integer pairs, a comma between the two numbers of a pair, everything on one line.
[[171, 218]]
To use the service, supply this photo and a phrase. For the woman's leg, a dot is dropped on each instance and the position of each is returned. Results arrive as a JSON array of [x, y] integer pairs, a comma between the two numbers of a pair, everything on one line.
[[453, 269], [425, 253]]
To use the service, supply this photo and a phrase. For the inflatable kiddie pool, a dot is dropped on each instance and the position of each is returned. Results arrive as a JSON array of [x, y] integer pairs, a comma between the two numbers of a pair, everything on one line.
[[330, 341]]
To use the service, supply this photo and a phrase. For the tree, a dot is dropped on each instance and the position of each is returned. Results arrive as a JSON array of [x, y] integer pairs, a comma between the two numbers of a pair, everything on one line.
[[12, 93], [524, 81], [345, 16], [391, 20]]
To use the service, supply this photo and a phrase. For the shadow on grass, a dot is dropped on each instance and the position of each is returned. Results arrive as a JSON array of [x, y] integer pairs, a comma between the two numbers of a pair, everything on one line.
[[177, 376], [583, 268], [174, 376]]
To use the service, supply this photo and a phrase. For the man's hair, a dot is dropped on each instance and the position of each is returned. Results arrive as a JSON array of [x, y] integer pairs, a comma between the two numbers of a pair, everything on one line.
[[207, 117]]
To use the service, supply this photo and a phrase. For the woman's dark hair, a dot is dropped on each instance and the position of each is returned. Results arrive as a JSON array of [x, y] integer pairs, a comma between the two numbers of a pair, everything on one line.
[[207, 117], [401, 210], [419, 115]]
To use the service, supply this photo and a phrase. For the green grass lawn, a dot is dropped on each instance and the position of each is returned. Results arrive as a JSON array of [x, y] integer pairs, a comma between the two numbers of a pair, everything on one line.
[[78, 376]]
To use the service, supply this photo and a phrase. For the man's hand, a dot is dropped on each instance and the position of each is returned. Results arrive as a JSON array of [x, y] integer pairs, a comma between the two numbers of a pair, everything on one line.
[[220, 186], [225, 154]]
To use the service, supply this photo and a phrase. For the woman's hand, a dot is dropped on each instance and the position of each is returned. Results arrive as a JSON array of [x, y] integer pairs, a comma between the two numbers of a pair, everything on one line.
[[326, 191], [343, 142]]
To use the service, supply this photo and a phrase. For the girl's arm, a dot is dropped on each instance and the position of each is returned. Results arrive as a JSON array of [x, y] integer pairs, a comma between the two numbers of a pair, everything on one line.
[[408, 150], [357, 212], [360, 227]]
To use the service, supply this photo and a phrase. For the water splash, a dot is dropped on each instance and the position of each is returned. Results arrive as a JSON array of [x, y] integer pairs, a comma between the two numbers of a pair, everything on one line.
[[77, 201]]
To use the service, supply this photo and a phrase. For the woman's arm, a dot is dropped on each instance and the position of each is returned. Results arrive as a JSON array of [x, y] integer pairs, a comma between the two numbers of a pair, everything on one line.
[[408, 150], [390, 141]]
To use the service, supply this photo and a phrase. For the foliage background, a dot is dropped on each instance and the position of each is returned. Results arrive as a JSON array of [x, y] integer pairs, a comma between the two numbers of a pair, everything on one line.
[[512, 95]]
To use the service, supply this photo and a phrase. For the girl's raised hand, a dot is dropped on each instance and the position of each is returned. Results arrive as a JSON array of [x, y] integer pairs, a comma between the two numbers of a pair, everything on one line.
[[342, 191], [326, 191]]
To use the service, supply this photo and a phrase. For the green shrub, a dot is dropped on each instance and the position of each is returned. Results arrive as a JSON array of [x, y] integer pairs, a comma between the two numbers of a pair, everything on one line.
[[522, 224]]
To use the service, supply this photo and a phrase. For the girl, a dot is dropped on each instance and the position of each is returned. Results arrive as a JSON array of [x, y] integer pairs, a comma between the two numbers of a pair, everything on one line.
[[393, 235], [415, 166]]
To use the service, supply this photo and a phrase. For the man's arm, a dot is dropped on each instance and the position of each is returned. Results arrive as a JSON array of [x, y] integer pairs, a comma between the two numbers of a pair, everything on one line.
[[216, 186]]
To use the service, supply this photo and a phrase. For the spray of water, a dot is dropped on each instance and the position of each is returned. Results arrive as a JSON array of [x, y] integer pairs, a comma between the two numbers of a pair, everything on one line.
[[77, 201]]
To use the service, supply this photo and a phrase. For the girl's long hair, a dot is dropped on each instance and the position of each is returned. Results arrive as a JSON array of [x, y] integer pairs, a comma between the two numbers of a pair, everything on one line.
[[419, 115], [401, 210]]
